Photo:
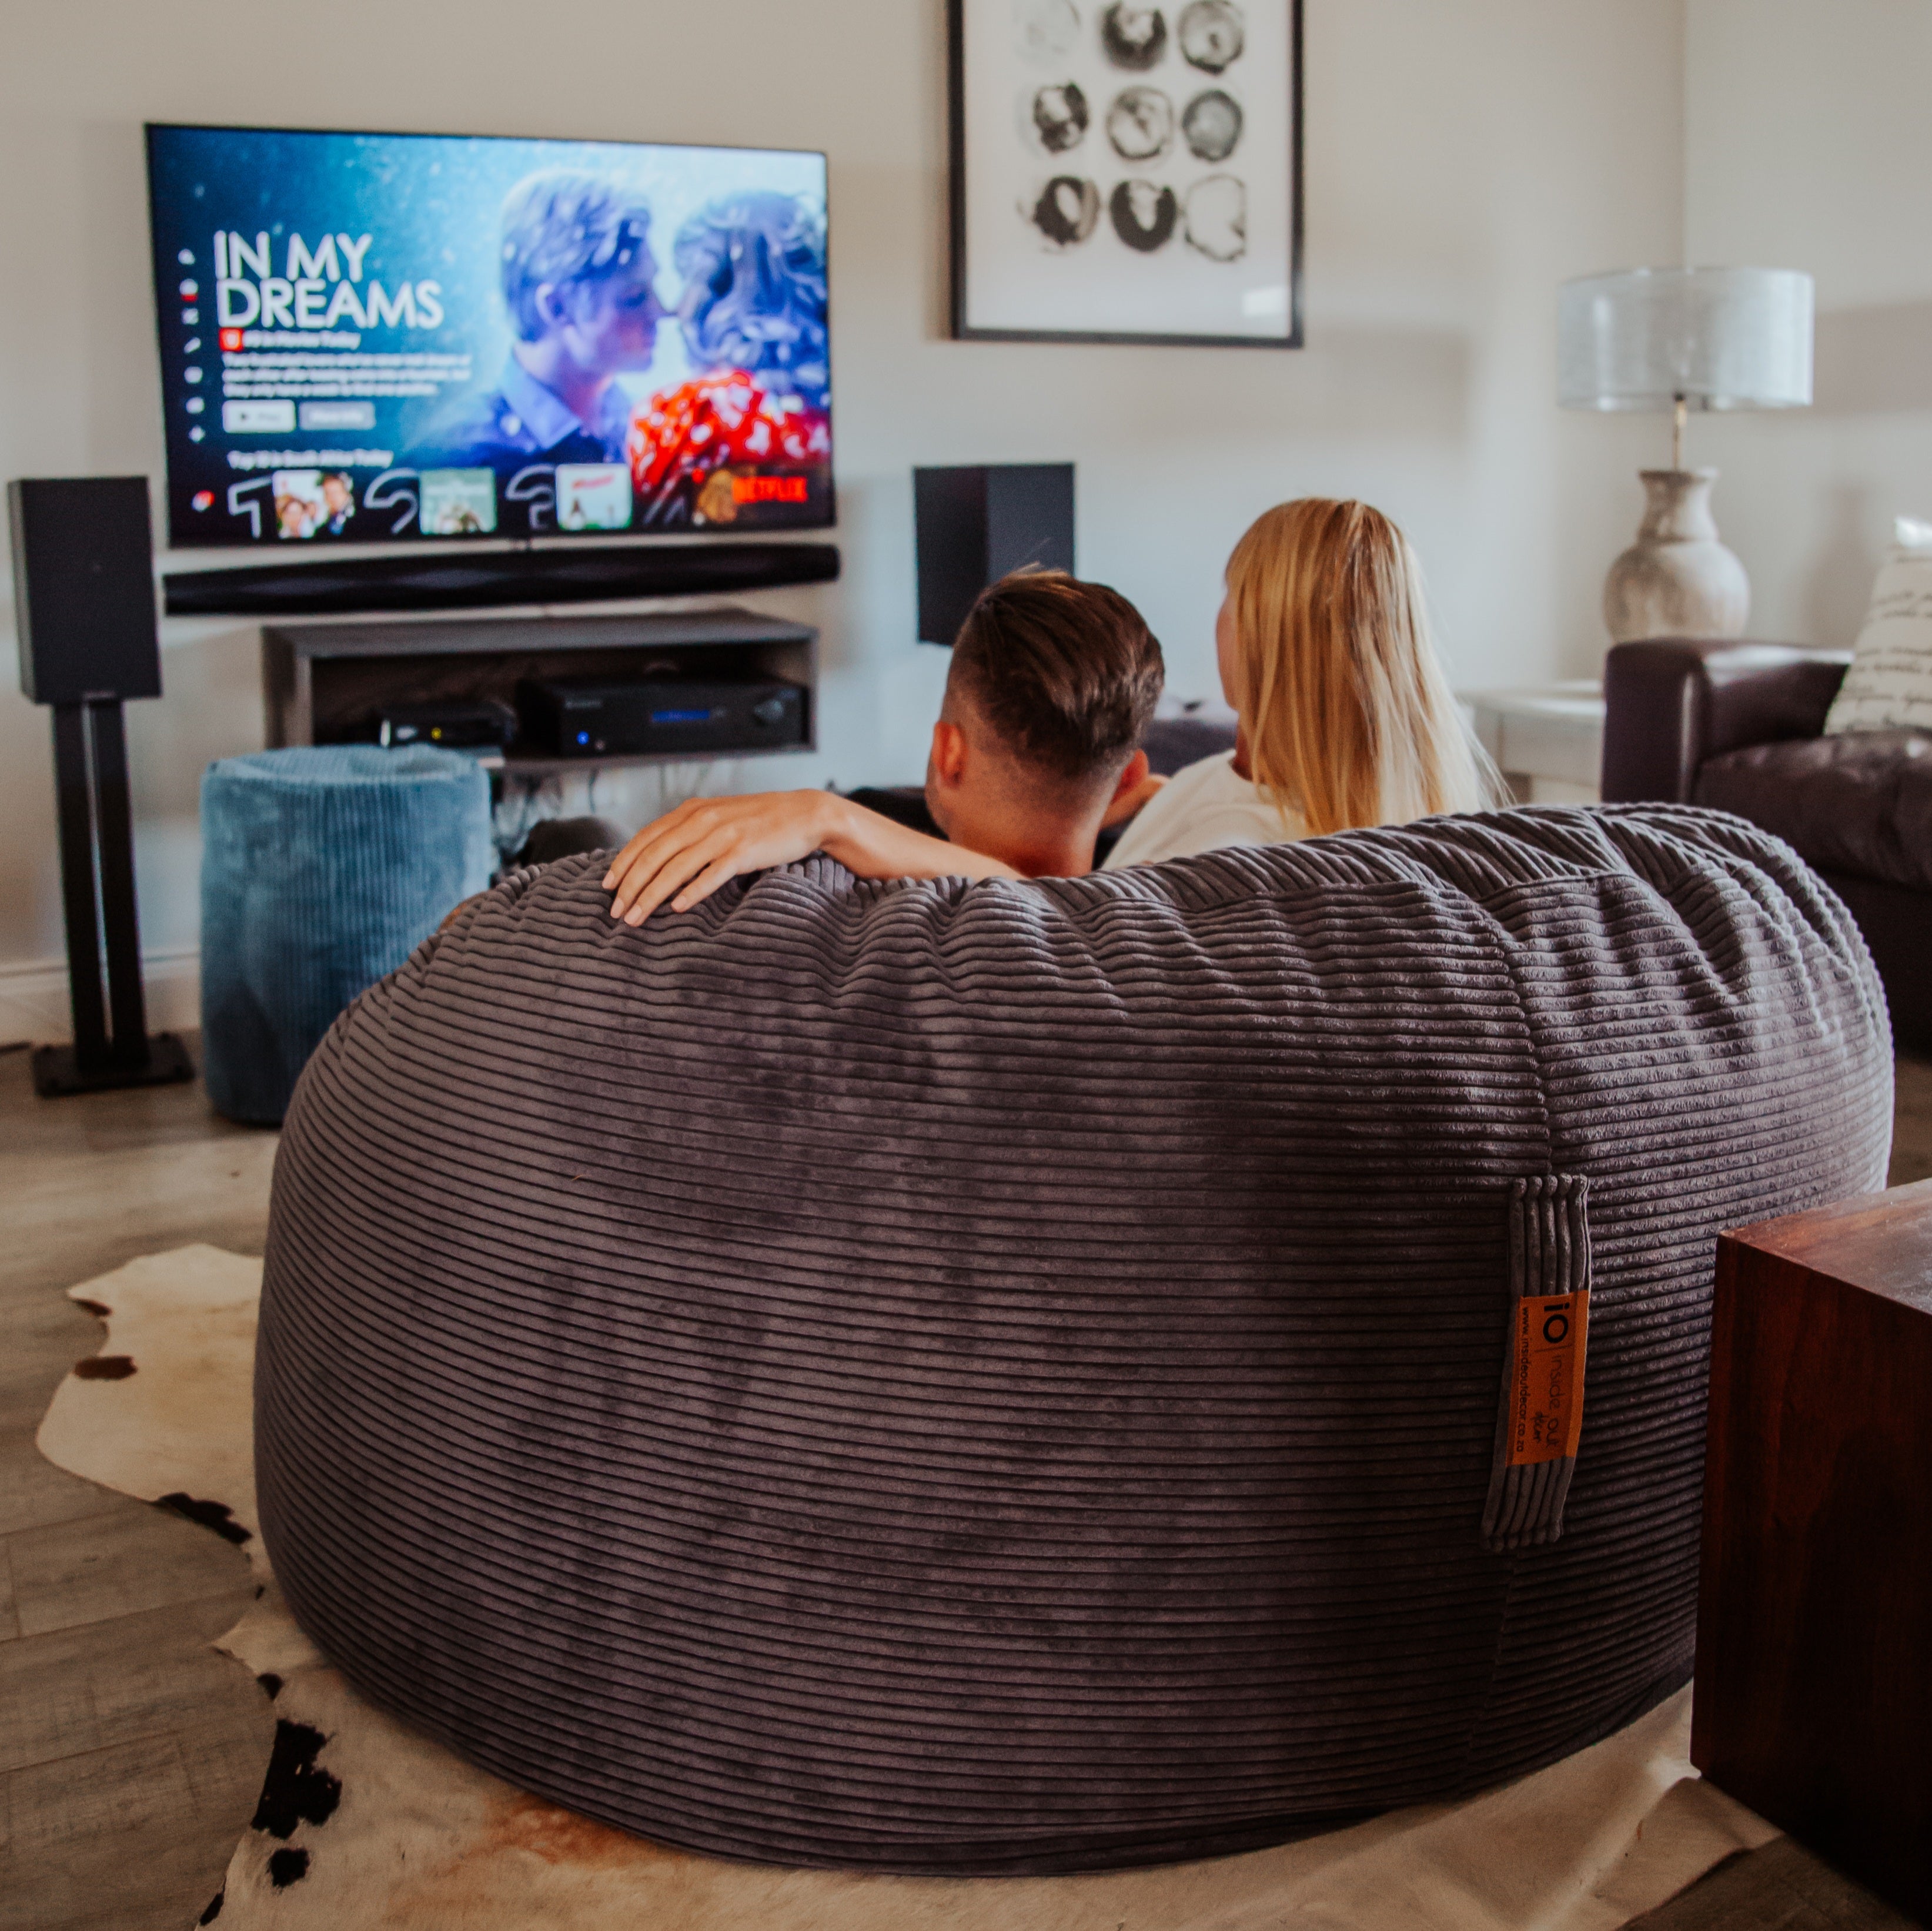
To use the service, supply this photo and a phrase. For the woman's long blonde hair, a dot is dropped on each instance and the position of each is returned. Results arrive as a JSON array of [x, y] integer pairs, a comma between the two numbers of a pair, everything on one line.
[[1349, 719]]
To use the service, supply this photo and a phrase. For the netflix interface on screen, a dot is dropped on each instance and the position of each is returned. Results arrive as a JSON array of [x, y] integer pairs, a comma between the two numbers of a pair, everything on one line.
[[375, 338]]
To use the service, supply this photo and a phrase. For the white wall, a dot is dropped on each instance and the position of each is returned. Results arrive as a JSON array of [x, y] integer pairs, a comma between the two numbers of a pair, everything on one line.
[[1808, 145], [1461, 160]]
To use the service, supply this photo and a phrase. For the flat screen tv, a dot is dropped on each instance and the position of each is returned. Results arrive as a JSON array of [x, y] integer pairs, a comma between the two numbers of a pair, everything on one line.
[[378, 337]]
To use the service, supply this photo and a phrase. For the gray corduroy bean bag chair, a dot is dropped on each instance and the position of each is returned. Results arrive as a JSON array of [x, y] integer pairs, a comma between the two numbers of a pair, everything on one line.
[[1015, 1377]]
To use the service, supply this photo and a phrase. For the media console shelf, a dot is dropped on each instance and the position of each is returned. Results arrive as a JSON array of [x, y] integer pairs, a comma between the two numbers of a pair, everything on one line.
[[328, 683]]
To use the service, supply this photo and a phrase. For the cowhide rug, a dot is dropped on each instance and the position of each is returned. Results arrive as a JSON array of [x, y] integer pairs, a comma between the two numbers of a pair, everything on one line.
[[363, 1823]]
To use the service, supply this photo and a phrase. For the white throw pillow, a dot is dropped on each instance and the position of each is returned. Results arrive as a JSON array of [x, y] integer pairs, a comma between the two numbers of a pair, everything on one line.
[[1889, 684]]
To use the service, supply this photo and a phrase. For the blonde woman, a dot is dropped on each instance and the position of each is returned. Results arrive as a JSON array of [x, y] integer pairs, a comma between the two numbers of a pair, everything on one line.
[[1345, 718]]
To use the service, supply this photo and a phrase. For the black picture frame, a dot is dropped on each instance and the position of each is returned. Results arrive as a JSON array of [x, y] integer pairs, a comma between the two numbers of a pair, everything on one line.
[[956, 157]]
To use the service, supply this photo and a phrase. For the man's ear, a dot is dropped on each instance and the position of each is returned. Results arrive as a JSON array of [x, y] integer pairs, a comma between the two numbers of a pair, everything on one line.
[[949, 753], [1133, 775], [1137, 785]]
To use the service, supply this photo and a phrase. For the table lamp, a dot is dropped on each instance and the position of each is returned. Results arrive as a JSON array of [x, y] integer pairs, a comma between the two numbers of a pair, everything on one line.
[[1681, 339]]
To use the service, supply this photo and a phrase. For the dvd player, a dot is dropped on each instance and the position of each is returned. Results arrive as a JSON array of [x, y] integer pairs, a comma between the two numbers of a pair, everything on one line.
[[590, 718], [458, 724]]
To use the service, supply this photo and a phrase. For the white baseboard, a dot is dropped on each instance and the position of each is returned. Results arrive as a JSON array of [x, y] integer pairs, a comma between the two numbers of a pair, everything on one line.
[[34, 997]]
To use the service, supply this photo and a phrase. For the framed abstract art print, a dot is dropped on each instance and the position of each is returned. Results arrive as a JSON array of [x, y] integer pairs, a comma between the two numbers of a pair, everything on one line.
[[1124, 172]]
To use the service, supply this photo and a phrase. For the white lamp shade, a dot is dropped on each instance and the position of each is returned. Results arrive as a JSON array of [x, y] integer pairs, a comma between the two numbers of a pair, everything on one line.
[[1719, 338]]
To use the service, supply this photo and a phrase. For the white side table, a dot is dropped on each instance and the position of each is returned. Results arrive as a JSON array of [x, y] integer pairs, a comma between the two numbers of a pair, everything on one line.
[[1548, 743]]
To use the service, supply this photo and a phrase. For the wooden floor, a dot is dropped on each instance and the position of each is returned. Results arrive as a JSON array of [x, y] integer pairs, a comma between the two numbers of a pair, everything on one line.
[[131, 1752]]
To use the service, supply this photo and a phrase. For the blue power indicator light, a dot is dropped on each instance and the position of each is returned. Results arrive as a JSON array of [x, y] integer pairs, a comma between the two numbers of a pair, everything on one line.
[[584, 737]]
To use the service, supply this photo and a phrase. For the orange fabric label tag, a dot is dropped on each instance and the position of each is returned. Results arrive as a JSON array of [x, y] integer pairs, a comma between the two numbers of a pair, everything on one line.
[[1547, 1377]]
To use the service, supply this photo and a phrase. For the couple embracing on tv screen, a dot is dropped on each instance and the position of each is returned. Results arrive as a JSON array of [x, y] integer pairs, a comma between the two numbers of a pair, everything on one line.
[[579, 276]]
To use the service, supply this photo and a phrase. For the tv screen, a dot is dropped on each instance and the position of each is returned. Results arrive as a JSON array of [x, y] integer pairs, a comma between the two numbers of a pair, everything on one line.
[[369, 338]]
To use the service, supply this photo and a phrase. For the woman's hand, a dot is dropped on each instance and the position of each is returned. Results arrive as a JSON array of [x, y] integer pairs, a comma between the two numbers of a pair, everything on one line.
[[457, 910], [691, 851]]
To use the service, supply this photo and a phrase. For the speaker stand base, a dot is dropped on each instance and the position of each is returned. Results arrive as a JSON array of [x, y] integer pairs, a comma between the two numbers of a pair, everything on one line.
[[56, 1072]]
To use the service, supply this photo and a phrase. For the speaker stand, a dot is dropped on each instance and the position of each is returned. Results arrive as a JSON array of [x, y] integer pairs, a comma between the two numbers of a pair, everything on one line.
[[97, 847]]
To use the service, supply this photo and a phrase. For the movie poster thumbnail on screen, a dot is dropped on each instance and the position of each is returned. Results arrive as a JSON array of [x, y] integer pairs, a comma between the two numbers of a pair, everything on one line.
[[375, 338]]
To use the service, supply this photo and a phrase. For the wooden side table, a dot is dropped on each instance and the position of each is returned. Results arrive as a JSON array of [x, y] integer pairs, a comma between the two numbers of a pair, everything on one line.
[[1814, 1636]]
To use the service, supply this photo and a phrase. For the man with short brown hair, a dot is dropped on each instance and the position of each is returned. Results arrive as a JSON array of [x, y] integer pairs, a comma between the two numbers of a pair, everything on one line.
[[1036, 747]]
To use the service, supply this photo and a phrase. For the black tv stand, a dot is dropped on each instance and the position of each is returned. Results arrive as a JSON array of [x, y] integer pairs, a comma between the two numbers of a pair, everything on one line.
[[326, 683]]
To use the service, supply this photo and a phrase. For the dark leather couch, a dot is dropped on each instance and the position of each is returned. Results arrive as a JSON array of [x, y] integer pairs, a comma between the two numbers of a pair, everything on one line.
[[1738, 725]]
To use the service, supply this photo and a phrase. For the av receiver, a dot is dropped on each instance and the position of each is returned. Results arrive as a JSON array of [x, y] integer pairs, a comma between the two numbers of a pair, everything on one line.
[[592, 718]]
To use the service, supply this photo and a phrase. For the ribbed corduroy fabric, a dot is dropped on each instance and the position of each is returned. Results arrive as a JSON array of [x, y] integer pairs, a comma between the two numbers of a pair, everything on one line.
[[322, 869], [1549, 1254], [1004, 1378]]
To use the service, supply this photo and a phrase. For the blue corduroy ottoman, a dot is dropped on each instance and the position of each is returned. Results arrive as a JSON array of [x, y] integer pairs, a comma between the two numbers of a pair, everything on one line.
[[321, 870]]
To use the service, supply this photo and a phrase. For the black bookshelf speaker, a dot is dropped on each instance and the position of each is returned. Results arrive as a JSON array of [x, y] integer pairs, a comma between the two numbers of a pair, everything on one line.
[[974, 525], [84, 588], [84, 604]]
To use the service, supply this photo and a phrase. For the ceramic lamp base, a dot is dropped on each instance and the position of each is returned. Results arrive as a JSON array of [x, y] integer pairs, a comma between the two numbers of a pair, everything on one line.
[[1677, 579]]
